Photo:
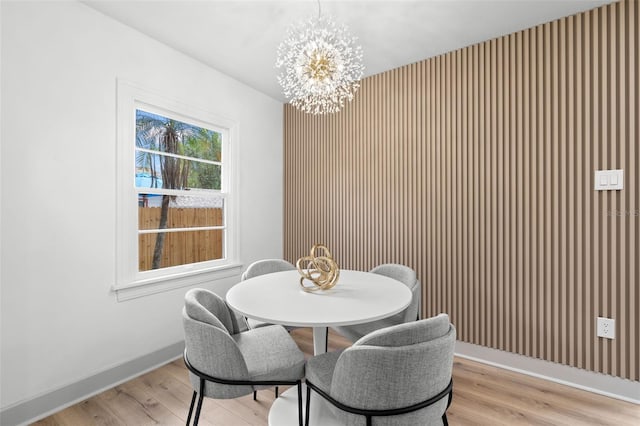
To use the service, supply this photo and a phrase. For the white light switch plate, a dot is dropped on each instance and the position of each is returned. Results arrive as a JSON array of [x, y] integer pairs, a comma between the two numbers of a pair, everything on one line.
[[608, 180]]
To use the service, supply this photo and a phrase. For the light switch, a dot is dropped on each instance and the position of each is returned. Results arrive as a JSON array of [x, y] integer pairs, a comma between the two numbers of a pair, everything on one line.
[[616, 178], [604, 181], [607, 180]]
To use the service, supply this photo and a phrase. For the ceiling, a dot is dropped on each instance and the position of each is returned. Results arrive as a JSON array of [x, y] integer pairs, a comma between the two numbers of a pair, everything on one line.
[[240, 38]]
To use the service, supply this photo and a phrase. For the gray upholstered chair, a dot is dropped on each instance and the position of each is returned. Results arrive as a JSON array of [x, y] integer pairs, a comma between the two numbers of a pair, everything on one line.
[[398, 376], [261, 267], [408, 277], [224, 363]]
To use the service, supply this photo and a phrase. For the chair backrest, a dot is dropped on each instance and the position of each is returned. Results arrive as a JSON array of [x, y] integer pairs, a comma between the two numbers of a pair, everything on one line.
[[396, 367], [205, 306], [266, 266], [408, 277], [210, 347]]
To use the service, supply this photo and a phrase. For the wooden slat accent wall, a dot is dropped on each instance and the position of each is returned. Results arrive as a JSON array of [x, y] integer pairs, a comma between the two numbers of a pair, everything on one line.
[[476, 169]]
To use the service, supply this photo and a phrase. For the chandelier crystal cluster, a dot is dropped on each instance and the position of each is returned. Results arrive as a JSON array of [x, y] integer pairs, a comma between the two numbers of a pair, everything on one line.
[[321, 65]]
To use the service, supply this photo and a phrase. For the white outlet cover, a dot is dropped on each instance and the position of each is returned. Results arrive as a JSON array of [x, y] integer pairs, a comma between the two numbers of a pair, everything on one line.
[[606, 327]]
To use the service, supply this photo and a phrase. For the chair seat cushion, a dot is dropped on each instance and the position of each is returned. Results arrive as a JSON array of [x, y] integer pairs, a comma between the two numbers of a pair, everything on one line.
[[355, 332], [271, 354], [253, 323]]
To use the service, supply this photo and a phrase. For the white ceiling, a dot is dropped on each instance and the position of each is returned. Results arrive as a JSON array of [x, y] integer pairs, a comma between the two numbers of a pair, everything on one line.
[[240, 38]]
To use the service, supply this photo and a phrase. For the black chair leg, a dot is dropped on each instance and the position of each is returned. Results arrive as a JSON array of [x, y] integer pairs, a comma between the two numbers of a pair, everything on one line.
[[368, 420], [276, 391], [308, 404], [199, 407], [299, 403], [195, 421], [255, 393], [326, 340], [445, 422], [193, 401]]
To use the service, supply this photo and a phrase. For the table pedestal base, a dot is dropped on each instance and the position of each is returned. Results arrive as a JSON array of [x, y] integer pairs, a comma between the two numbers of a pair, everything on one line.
[[284, 411], [319, 340]]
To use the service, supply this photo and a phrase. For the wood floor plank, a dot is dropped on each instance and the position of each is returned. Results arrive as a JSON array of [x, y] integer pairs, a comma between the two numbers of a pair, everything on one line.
[[216, 413], [469, 410], [49, 421], [253, 412], [157, 411], [132, 405], [100, 412], [549, 401], [168, 391], [83, 414], [483, 395]]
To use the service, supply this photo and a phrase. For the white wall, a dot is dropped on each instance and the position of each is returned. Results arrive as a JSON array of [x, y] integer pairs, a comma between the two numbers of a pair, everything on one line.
[[60, 321]]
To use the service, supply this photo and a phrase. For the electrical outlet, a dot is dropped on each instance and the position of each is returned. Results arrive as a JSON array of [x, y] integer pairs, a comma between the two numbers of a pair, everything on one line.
[[606, 327]]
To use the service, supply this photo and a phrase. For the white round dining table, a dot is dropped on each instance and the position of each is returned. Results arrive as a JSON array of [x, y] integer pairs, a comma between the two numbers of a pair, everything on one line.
[[358, 297], [277, 298]]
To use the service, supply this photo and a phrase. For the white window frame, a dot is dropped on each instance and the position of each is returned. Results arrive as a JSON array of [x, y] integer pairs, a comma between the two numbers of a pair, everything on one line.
[[130, 282]]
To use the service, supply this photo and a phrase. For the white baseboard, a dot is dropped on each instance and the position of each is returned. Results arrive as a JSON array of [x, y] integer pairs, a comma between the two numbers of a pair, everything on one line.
[[47, 403], [602, 384]]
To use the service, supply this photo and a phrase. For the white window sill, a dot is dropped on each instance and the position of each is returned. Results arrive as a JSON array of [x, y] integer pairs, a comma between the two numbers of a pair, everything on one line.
[[171, 282]]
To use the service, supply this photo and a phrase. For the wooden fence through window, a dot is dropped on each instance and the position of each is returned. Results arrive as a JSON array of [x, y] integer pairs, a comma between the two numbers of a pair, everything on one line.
[[181, 248]]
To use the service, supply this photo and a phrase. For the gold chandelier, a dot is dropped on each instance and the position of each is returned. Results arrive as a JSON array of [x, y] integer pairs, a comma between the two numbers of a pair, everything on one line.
[[321, 65]]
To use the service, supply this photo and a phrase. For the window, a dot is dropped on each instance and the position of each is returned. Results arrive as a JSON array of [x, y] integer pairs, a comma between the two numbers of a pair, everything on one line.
[[176, 203], [178, 178]]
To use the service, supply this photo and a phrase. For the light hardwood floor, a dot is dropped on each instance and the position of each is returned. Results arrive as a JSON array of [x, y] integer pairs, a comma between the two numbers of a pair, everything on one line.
[[483, 395]]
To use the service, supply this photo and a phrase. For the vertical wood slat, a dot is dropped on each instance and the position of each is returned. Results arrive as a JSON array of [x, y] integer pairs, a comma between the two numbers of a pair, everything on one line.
[[595, 160], [475, 168], [632, 35]]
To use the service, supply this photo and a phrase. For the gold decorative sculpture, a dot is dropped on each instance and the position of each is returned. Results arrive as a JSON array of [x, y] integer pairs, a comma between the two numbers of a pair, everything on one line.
[[322, 271]]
